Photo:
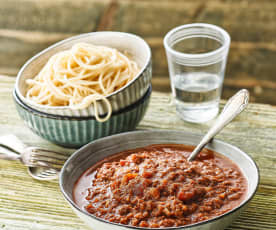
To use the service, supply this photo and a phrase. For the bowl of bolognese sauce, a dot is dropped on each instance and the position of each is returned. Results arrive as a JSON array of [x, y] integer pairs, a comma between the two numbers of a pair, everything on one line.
[[143, 180]]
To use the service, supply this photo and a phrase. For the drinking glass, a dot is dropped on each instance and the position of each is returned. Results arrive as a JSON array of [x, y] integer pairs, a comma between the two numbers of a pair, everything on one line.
[[197, 55]]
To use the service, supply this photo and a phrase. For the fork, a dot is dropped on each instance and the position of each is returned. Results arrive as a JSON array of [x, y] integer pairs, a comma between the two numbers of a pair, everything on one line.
[[30, 156]]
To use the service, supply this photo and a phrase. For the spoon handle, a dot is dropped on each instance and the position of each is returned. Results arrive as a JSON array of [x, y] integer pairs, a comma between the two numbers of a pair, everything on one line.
[[235, 105]]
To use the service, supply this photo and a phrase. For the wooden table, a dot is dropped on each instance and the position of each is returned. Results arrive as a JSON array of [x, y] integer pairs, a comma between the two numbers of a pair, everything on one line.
[[29, 204]]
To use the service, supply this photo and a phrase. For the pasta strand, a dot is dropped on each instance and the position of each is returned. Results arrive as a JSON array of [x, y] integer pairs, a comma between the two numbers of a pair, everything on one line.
[[81, 76]]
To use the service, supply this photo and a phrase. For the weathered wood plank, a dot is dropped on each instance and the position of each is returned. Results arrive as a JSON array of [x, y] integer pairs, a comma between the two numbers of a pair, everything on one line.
[[51, 16], [251, 58], [245, 20], [19, 46], [14, 53], [35, 37], [27, 204]]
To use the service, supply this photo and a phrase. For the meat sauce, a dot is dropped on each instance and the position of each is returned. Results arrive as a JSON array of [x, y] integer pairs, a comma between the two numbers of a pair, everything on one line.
[[157, 187]]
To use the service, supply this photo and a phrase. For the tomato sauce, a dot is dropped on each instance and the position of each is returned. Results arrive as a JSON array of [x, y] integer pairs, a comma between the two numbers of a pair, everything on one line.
[[156, 186]]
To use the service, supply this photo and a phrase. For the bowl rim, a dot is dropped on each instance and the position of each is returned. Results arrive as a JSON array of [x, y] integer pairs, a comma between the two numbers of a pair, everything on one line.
[[35, 112], [147, 133], [76, 37]]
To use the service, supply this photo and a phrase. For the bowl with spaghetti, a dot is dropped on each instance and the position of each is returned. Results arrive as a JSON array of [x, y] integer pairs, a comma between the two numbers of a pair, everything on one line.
[[93, 74], [75, 132]]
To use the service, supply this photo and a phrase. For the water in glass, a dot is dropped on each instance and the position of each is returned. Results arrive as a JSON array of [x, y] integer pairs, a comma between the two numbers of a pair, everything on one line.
[[197, 95]]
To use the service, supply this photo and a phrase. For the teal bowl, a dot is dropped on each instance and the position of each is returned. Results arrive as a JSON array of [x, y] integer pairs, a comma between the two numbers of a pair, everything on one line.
[[75, 132]]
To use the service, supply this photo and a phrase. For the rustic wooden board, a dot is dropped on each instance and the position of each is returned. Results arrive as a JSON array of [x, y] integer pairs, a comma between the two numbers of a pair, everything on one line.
[[246, 20], [62, 16], [27, 27], [27, 204]]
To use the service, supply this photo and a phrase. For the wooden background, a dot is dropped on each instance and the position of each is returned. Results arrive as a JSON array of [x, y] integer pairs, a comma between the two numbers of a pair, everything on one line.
[[28, 26]]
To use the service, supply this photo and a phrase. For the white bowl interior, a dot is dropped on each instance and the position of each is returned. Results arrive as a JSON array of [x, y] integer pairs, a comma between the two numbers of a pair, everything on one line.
[[99, 149], [132, 44]]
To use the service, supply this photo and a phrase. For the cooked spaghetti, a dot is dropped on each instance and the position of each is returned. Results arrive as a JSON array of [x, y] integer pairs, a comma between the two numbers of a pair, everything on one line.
[[80, 77]]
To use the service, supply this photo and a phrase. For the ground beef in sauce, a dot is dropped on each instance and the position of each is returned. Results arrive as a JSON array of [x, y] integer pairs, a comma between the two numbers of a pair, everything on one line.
[[156, 187]]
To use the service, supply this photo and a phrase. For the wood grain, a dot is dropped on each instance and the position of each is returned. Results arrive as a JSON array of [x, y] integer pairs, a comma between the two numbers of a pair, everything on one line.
[[27, 204], [29, 26], [245, 20], [62, 16]]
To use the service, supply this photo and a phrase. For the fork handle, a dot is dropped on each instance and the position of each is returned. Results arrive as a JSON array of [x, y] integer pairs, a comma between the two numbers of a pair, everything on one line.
[[12, 143], [10, 147], [9, 156]]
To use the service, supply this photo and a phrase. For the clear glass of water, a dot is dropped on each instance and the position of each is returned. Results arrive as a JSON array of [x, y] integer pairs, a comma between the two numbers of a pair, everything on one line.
[[197, 55]]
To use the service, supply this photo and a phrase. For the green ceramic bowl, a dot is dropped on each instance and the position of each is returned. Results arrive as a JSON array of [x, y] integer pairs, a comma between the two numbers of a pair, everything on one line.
[[127, 95], [77, 131]]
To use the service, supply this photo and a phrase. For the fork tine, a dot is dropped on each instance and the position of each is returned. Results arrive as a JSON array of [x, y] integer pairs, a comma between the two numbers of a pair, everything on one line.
[[33, 162], [48, 164], [57, 169], [46, 155], [58, 154], [44, 158], [52, 157], [48, 160], [38, 163]]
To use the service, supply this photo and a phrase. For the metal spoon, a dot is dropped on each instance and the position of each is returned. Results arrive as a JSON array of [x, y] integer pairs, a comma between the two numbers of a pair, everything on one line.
[[235, 105], [11, 148]]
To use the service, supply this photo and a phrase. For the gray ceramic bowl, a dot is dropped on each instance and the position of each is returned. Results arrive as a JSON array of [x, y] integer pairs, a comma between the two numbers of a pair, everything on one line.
[[99, 149], [77, 131], [127, 95]]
